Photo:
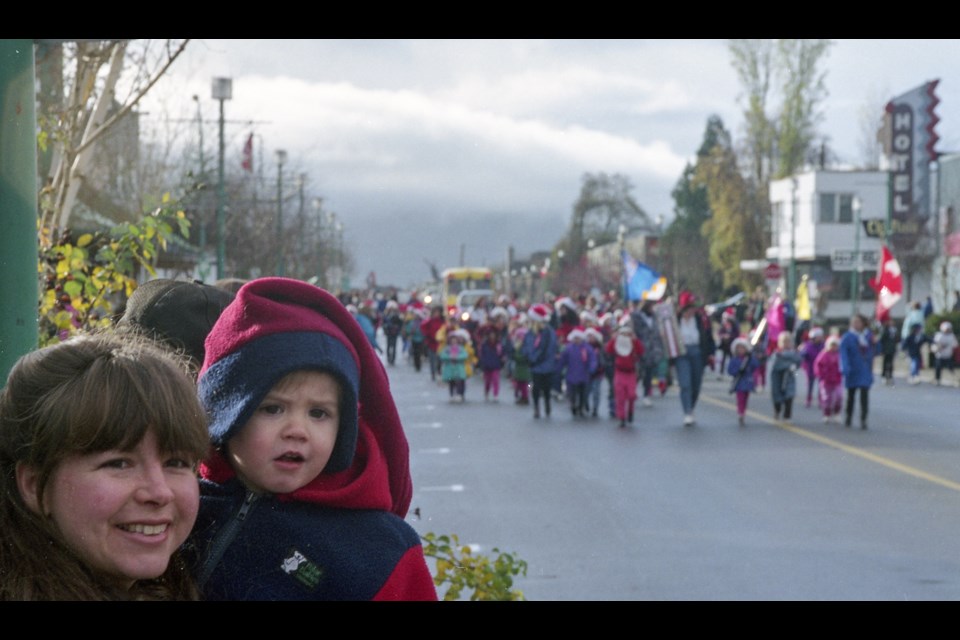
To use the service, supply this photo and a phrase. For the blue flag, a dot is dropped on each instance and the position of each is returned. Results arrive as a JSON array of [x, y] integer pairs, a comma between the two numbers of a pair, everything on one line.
[[642, 282]]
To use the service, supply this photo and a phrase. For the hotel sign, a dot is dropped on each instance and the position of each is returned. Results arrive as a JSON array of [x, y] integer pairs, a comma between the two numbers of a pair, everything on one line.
[[908, 140]]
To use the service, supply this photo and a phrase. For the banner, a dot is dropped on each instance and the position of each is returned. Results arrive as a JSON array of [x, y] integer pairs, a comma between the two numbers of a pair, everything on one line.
[[642, 282], [888, 284]]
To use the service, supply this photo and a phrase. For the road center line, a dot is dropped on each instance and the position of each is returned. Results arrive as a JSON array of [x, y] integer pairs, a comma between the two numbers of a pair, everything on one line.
[[830, 442]]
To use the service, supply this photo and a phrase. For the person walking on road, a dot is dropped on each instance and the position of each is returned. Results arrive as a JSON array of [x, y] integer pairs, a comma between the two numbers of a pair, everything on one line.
[[540, 348], [944, 345], [699, 347], [857, 350]]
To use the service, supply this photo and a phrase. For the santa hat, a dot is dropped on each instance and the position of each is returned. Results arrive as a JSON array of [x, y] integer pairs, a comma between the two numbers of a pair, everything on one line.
[[276, 326], [539, 312], [739, 342], [832, 340], [499, 312], [946, 327], [686, 299], [593, 333], [815, 333], [576, 334], [567, 302], [588, 317]]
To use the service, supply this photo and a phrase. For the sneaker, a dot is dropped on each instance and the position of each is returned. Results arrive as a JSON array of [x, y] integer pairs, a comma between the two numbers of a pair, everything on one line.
[[623, 425], [647, 402], [741, 421], [826, 419], [688, 420]]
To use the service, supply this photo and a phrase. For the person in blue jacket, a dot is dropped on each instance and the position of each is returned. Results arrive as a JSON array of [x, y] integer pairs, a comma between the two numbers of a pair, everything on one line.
[[307, 484], [857, 350], [540, 348]]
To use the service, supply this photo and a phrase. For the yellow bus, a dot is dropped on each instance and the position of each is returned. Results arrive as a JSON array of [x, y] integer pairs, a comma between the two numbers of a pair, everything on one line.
[[458, 279]]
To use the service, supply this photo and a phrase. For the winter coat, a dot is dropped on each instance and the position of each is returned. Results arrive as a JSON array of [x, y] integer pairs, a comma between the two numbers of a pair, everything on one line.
[[540, 349], [578, 361], [783, 374], [856, 359], [912, 345], [392, 324], [453, 362], [809, 351], [742, 368], [944, 344], [827, 368], [628, 362], [491, 356], [648, 333], [521, 366]]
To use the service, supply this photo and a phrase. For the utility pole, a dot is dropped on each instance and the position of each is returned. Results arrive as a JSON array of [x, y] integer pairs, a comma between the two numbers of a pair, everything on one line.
[[281, 158], [222, 90]]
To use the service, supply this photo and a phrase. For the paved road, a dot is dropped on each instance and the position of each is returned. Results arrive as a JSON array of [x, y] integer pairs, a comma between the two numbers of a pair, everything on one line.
[[658, 511]]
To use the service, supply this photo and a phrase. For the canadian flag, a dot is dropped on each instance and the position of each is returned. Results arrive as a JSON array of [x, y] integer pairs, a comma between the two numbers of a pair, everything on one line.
[[888, 284], [247, 163]]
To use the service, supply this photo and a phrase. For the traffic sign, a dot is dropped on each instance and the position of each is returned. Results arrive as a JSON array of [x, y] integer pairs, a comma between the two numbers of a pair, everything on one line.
[[772, 271]]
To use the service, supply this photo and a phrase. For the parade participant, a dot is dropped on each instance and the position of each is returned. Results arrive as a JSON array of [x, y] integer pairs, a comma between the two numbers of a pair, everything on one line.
[[809, 350], [857, 350], [491, 358], [430, 327], [783, 375], [305, 490], [912, 345], [578, 361], [889, 340], [392, 324], [520, 370], [699, 348], [540, 349], [453, 367], [627, 352], [648, 333], [595, 340], [829, 380], [741, 367], [99, 440]]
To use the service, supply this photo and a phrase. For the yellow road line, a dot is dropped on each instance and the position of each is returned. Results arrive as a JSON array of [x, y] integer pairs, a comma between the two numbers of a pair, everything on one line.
[[855, 451]]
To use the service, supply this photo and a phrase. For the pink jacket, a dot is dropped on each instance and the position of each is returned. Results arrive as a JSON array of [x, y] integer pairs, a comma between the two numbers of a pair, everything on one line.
[[827, 368]]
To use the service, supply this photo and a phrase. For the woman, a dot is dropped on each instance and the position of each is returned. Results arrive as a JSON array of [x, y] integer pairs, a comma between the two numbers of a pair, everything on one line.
[[698, 346], [857, 349], [99, 440]]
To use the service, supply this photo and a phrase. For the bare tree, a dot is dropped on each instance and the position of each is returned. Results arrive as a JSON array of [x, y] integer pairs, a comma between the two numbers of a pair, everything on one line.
[[87, 89]]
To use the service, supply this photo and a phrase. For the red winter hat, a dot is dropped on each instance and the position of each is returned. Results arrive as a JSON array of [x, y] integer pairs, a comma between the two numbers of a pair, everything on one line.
[[539, 312], [687, 299], [278, 325]]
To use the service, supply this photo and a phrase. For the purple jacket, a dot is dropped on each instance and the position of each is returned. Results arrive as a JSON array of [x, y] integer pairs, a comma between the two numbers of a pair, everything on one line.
[[579, 361], [810, 350]]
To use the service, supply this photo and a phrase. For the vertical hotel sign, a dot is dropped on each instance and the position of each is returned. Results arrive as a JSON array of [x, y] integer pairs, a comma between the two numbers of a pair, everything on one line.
[[908, 141]]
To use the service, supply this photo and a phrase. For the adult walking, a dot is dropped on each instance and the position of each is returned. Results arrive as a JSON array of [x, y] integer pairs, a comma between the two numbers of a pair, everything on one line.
[[540, 349], [698, 348], [648, 333], [857, 349]]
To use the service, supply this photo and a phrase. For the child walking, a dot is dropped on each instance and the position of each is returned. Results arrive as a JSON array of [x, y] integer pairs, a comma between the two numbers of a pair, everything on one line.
[[741, 367], [305, 491], [492, 358], [521, 368], [626, 351], [809, 350], [829, 380], [453, 364], [578, 361], [595, 340], [783, 375]]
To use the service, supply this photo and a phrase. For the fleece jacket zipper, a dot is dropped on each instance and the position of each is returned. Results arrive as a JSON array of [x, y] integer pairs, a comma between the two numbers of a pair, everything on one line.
[[224, 537]]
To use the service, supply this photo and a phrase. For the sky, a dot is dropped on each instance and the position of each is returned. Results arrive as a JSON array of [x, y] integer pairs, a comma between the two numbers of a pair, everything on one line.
[[432, 151]]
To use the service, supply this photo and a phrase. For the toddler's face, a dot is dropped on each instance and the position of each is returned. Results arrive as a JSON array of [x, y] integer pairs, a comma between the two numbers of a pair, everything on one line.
[[290, 437]]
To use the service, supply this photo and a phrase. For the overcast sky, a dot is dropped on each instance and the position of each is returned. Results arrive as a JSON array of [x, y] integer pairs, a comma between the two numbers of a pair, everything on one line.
[[429, 148]]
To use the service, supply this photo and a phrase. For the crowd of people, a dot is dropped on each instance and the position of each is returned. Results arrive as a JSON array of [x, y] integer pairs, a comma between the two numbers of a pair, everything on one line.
[[602, 357]]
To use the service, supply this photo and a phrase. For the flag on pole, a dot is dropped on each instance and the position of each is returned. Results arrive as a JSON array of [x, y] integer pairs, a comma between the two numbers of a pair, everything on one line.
[[643, 283], [247, 163], [888, 284], [802, 303]]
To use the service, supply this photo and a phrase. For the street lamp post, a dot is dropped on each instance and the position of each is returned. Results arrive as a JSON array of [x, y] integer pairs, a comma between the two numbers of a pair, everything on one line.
[[201, 210], [792, 286], [281, 158], [855, 274], [222, 90]]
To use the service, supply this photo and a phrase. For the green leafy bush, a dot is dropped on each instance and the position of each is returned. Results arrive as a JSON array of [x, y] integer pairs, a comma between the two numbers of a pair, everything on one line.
[[464, 572]]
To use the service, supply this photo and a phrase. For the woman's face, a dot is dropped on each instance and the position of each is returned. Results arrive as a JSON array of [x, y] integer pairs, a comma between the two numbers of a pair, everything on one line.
[[123, 512]]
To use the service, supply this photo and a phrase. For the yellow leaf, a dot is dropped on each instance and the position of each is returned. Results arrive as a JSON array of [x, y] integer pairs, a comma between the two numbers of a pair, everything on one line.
[[166, 197], [85, 239]]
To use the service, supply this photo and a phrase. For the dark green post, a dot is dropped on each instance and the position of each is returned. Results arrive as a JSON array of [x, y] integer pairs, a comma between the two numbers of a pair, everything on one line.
[[19, 288]]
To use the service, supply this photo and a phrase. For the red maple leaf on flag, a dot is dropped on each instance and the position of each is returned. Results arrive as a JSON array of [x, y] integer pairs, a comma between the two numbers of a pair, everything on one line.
[[888, 284]]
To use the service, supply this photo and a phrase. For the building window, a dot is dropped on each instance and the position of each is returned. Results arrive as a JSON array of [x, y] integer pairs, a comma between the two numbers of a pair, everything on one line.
[[836, 208], [776, 216]]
